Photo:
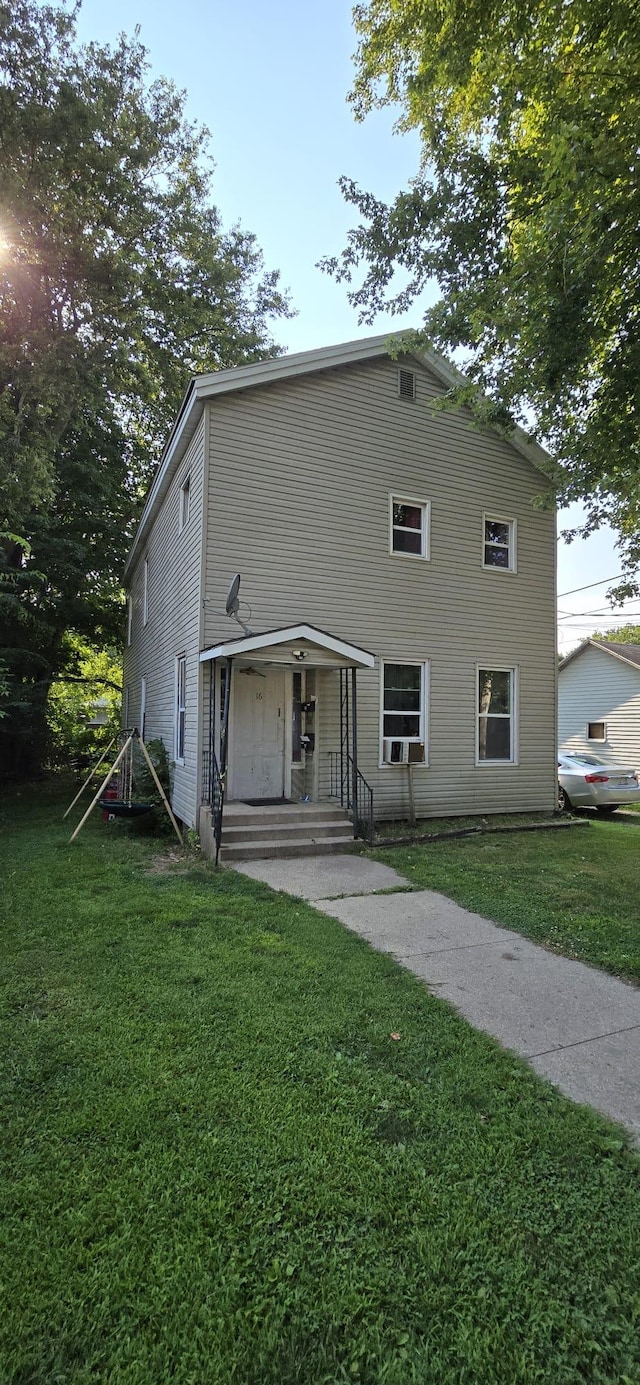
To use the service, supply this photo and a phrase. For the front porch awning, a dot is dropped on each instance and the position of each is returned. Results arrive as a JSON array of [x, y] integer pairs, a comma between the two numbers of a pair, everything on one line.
[[295, 645]]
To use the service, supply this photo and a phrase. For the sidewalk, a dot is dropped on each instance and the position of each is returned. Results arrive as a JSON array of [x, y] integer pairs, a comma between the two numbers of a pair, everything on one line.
[[577, 1026]]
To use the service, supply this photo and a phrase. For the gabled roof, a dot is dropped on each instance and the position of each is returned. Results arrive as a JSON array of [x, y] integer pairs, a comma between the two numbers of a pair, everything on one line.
[[308, 636], [629, 653], [277, 368]]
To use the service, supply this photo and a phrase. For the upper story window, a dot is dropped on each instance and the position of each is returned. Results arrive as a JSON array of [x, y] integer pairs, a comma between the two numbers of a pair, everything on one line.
[[409, 526], [496, 715], [185, 503], [499, 543], [145, 593], [129, 618]]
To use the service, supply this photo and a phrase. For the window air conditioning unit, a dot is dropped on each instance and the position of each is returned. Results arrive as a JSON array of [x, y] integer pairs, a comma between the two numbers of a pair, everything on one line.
[[402, 752]]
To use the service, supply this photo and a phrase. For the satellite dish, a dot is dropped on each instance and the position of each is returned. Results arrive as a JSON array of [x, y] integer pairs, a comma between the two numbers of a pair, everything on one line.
[[232, 602]]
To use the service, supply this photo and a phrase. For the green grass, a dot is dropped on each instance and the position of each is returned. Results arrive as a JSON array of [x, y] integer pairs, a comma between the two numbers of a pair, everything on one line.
[[575, 890], [219, 1166]]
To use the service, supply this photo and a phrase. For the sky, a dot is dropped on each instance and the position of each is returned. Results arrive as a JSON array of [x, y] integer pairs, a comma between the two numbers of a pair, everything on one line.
[[270, 80]]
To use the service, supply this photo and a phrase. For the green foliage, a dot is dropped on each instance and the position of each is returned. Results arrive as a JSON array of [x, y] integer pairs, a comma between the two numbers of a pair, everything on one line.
[[144, 783], [91, 677], [219, 1167], [525, 211], [623, 634], [117, 282]]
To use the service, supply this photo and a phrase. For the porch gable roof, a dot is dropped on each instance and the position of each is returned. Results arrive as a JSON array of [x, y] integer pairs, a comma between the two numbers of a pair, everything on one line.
[[348, 655]]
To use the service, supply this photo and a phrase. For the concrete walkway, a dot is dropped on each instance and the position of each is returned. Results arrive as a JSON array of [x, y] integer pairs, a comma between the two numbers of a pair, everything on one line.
[[577, 1026]]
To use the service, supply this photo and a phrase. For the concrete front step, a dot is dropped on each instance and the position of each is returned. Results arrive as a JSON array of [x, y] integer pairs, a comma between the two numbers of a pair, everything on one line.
[[264, 850], [296, 829], [243, 815]]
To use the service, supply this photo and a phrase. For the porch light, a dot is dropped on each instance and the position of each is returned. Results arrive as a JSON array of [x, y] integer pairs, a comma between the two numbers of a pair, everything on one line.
[[299, 654]]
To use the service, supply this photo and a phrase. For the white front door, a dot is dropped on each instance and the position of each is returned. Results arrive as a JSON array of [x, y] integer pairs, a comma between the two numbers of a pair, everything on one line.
[[256, 761]]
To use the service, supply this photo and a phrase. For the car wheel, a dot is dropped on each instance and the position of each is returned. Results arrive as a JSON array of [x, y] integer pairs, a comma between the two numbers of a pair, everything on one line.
[[564, 802], [607, 807]]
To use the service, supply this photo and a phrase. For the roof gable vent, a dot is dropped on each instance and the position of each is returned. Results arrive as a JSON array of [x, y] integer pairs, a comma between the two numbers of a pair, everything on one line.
[[406, 383]]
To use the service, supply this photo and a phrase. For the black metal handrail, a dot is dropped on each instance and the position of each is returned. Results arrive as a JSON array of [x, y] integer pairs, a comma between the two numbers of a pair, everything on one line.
[[217, 801], [355, 794], [213, 793]]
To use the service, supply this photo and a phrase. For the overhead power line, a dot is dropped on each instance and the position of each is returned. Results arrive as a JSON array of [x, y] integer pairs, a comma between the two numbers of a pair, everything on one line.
[[603, 583]]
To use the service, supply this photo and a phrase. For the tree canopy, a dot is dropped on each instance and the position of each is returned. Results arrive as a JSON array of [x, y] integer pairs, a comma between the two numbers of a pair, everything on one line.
[[117, 282], [624, 634], [525, 209]]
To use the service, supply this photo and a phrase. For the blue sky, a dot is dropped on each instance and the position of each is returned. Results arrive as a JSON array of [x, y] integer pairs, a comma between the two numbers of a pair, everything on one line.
[[270, 80]]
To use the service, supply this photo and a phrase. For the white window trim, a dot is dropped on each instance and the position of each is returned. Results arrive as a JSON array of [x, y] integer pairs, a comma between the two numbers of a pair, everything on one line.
[[126, 708], [129, 618], [145, 593], [514, 670], [597, 740], [184, 512], [423, 737], [143, 705], [180, 659], [396, 498], [492, 517]]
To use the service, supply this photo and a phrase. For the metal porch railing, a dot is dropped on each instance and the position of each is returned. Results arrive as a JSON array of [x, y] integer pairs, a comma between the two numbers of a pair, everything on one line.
[[354, 793]]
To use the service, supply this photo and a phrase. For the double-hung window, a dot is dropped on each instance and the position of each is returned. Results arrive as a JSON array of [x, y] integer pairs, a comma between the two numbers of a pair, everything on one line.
[[409, 527], [145, 593], [499, 543], [181, 705], [403, 713], [496, 716], [185, 503]]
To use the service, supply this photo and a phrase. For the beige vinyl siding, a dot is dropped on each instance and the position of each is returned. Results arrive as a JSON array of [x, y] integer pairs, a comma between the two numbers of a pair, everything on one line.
[[300, 477], [597, 686], [173, 626]]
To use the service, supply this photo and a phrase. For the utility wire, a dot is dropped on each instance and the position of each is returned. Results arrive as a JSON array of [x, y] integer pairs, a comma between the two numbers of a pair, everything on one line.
[[591, 584]]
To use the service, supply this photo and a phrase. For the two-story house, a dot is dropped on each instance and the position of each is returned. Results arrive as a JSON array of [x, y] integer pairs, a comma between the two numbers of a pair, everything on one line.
[[393, 637]]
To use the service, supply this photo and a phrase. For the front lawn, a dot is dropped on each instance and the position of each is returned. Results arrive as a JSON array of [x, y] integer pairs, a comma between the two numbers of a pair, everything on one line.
[[240, 1146], [575, 890]]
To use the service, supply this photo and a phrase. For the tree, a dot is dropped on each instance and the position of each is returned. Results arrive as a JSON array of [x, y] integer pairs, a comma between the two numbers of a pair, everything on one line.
[[117, 282], [624, 634], [83, 709], [525, 210]]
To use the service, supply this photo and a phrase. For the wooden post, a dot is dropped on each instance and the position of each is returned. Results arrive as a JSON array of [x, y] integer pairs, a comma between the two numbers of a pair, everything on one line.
[[160, 789], [412, 805], [103, 786], [90, 776]]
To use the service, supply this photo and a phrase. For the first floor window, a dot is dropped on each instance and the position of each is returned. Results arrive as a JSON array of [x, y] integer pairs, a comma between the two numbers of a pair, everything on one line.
[[296, 730], [499, 544], [181, 703], [496, 699], [403, 697], [143, 705], [409, 527]]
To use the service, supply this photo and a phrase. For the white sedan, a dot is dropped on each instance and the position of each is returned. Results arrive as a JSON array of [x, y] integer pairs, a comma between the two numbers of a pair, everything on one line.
[[589, 781]]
